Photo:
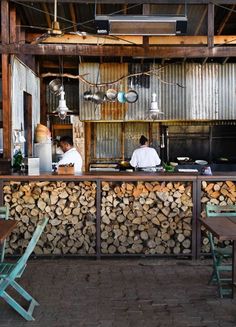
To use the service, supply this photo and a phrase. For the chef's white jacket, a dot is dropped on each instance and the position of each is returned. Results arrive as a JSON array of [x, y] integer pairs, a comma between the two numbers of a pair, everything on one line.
[[72, 156], [145, 157]]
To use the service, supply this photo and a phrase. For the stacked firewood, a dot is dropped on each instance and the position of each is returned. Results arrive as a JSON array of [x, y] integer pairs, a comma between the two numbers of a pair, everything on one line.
[[146, 218], [71, 209], [219, 193]]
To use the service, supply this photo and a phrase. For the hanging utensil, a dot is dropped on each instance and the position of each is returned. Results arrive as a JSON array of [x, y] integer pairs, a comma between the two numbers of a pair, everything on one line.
[[111, 95]]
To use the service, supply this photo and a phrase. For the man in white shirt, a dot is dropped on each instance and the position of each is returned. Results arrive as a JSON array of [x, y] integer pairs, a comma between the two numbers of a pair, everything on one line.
[[71, 155], [144, 156]]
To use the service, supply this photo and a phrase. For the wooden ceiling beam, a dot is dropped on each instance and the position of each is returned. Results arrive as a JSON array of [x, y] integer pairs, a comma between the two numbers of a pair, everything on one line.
[[48, 17], [231, 2], [136, 40], [127, 51]]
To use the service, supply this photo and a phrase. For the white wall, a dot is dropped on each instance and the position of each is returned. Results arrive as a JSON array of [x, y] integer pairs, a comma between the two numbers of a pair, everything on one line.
[[23, 79]]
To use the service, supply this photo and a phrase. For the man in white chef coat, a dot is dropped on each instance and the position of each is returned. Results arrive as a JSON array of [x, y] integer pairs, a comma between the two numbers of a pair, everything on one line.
[[144, 156], [71, 155]]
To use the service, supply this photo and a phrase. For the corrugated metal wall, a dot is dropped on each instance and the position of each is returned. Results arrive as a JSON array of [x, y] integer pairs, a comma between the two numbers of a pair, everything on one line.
[[208, 92]]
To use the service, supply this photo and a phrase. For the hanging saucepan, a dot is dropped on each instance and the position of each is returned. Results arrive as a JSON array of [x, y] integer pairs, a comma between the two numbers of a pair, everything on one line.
[[131, 96], [111, 95], [55, 86], [98, 97], [121, 97], [88, 95]]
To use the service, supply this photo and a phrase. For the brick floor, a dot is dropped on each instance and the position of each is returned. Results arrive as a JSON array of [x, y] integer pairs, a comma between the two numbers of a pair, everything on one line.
[[122, 293]]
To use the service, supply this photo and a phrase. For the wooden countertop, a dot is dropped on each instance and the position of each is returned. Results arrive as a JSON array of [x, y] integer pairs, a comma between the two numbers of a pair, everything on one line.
[[120, 176]]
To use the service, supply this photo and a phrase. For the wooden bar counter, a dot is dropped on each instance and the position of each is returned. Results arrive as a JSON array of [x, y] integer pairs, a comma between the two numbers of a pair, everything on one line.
[[113, 214]]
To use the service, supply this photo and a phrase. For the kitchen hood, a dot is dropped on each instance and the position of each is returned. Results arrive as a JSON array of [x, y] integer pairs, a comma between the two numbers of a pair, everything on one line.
[[141, 25]]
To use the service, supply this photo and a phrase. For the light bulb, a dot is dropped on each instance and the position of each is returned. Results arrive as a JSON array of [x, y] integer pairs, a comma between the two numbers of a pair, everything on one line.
[[62, 115]]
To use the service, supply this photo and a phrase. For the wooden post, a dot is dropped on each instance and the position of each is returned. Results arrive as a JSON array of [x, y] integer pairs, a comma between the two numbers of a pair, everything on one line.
[[6, 103], [210, 27]]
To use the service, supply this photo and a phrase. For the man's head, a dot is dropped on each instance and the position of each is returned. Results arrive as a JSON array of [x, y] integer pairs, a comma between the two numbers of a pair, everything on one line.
[[66, 143], [143, 140]]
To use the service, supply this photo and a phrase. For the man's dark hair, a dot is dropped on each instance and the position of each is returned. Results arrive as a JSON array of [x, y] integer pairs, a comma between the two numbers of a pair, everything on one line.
[[66, 139], [143, 140]]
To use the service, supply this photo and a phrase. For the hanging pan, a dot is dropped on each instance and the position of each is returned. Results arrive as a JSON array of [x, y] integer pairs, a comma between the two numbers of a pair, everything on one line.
[[131, 96], [111, 95]]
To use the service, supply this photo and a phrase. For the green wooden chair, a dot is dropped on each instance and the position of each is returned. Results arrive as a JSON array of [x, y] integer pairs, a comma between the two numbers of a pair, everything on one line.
[[4, 214], [221, 255], [10, 271]]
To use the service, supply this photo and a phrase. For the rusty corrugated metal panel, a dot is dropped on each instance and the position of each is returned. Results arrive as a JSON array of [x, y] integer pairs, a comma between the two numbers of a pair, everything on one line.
[[208, 92], [141, 84], [111, 72], [132, 136], [227, 91], [88, 109], [107, 141], [170, 96]]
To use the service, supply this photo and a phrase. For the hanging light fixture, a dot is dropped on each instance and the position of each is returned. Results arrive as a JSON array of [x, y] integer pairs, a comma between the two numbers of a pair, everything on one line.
[[154, 110], [57, 88], [62, 108]]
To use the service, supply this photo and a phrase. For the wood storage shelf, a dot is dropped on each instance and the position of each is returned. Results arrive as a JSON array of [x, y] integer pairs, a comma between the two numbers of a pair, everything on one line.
[[122, 214]]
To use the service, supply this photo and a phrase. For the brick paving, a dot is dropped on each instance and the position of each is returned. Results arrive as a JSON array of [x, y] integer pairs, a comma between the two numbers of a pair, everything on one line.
[[122, 293]]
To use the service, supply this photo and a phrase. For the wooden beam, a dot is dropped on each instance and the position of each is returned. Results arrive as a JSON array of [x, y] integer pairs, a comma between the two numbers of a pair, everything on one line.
[[135, 1], [225, 60], [6, 103], [73, 16], [48, 17], [225, 20], [210, 27], [112, 51], [13, 29], [135, 40]]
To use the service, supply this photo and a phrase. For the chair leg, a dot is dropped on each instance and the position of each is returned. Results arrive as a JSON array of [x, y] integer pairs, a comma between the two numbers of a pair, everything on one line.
[[27, 314]]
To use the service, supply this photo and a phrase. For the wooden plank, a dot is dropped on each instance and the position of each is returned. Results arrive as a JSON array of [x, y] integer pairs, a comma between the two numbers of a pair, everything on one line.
[[134, 2], [5, 22], [88, 148], [6, 106], [222, 227], [130, 51], [13, 29], [210, 27], [136, 40]]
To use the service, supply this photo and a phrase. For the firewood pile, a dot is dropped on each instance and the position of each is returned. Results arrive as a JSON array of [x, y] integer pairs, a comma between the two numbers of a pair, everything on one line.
[[146, 218], [71, 209], [219, 193]]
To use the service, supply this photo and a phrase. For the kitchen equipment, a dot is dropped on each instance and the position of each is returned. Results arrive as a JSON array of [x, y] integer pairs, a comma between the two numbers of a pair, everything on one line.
[[88, 95], [121, 97], [111, 95], [103, 167], [98, 97], [183, 158], [131, 96], [55, 86], [201, 162], [44, 152]]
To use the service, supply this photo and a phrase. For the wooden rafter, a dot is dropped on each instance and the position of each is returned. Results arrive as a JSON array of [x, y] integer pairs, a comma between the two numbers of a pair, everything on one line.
[[135, 1], [48, 17], [73, 16], [210, 25], [225, 20]]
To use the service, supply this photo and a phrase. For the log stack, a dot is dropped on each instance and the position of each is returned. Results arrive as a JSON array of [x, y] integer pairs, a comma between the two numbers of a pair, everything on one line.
[[146, 218], [219, 193], [71, 209]]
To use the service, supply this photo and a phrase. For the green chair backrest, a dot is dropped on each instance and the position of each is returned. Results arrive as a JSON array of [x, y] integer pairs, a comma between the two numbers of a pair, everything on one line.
[[4, 214], [23, 260], [213, 210]]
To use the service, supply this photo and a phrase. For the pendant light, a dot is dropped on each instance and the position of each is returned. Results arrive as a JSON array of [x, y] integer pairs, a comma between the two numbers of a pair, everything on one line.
[[154, 110]]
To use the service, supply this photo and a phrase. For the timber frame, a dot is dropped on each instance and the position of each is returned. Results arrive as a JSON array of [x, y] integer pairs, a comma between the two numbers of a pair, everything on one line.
[[15, 41]]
